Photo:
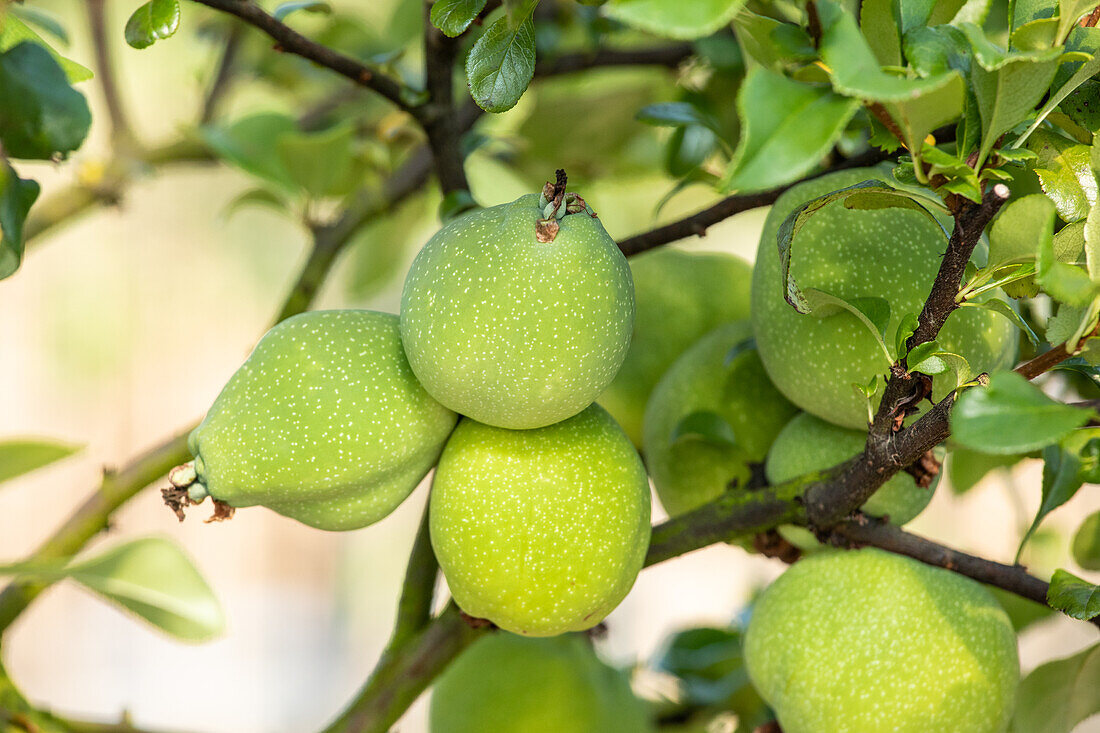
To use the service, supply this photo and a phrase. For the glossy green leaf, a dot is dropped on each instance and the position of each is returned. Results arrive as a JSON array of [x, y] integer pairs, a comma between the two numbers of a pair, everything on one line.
[[453, 17], [152, 578], [706, 426], [1061, 480], [1086, 543], [1073, 596], [772, 43], [14, 31], [787, 127], [42, 117], [293, 6], [16, 197], [965, 467], [1058, 695], [501, 65], [1065, 173], [1011, 415], [250, 143], [321, 163], [18, 457], [1019, 228], [152, 22], [674, 18]]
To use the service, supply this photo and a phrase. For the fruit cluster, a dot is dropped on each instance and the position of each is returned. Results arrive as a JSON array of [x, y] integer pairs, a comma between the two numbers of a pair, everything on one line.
[[514, 321]]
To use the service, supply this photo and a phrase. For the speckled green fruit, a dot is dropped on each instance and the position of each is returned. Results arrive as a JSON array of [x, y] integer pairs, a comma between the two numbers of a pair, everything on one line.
[[863, 641], [691, 471], [680, 296], [884, 253], [540, 531], [512, 331], [808, 444], [508, 684], [324, 423]]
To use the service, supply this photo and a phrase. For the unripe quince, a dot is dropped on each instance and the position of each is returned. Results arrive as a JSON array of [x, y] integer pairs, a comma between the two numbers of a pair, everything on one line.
[[513, 331], [808, 444], [864, 641], [508, 684], [885, 253], [324, 423], [680, 297], [690, 470], [540, 531]]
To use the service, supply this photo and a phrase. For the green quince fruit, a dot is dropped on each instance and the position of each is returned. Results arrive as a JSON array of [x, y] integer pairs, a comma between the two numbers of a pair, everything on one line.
[[712, 416], [324, 423], [809, 444], [540, 531], [892, 254], [518, 316], [680, 297], [864, 641], [508, 684]]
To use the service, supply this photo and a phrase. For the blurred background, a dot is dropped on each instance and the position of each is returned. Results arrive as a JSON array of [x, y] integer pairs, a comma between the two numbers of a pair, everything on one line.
[[122, 326]]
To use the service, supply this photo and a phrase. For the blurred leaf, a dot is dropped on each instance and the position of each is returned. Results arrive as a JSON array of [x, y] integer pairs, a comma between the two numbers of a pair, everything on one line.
[[880, 30], [455, 204], [676, 114], [1084, 73], [674, 18], [1074, 597], [16, 197], [688, 148], [965, 467], [378, 252], [1058, 695], [152, 578], [256, 197], [1011, 415], [18, 457], [453, 17], [1022, 612], [501, 64], [152, 22], [250, 143], [1018, 229], [936, 51], [42, 116], [787, 128], [309, 6], [1086, 543], [13, 31], [708, 663], [518, 11], [772, 43], [999, 306], [44, 20], [321, 163], [704, 425], [1061, 480], [1065, 173]]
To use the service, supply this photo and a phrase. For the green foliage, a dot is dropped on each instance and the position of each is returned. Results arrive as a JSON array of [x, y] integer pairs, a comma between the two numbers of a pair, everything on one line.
[[965, 468], [17, 195], [42, 116], [14, 31], [1061, 480], [1058, 695], [454, 16], [294, 6], [1086, 543], [18, 457], [154, 21], [1074, 597], [674, 19], [501, 64]]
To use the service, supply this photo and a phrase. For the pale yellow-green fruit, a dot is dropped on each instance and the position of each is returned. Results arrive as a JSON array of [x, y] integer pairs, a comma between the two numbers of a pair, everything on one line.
[[688, 470], [882, 253], [679, 297], [864, 641], [808, 444], [540, 531], [508, 684]]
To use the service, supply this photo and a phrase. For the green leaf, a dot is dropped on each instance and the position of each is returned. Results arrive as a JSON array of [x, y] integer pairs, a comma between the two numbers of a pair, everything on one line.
[[250, 144], [44, 20], [1022, 612], [309, 6], [704, 425], [16, 197], [999, 306], [321, 163], [772, 43], [787, 127], [1058, 695], [676, 114], [927, 111], [518, 11], [42, 116], [13, 31], [935, 51], [708, 662], [1011, 415], [1086, 543], [1073, 596], [1036, 35], [152, 578], [455, 204], [880, 29], [1087, 70], [674, 18], [453, 17], [501, 64], [965, 467], [1082, 106], [1061, 480], [874, 313], [18, 457], [1069, 11], [256, 197], [1065, 173], [1019, 228], [152, 22]]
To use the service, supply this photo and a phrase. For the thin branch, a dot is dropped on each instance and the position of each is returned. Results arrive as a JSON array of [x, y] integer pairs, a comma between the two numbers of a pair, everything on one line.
[[439, 116], [671, 56], [414, 609], [696, 225], [121, 131], [223, 76], [1013, 578], [291, 41]]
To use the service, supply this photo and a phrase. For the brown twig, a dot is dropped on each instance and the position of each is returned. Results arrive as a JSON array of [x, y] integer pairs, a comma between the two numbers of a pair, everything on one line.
[[223, 76], [121, 131], [439, 116]]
